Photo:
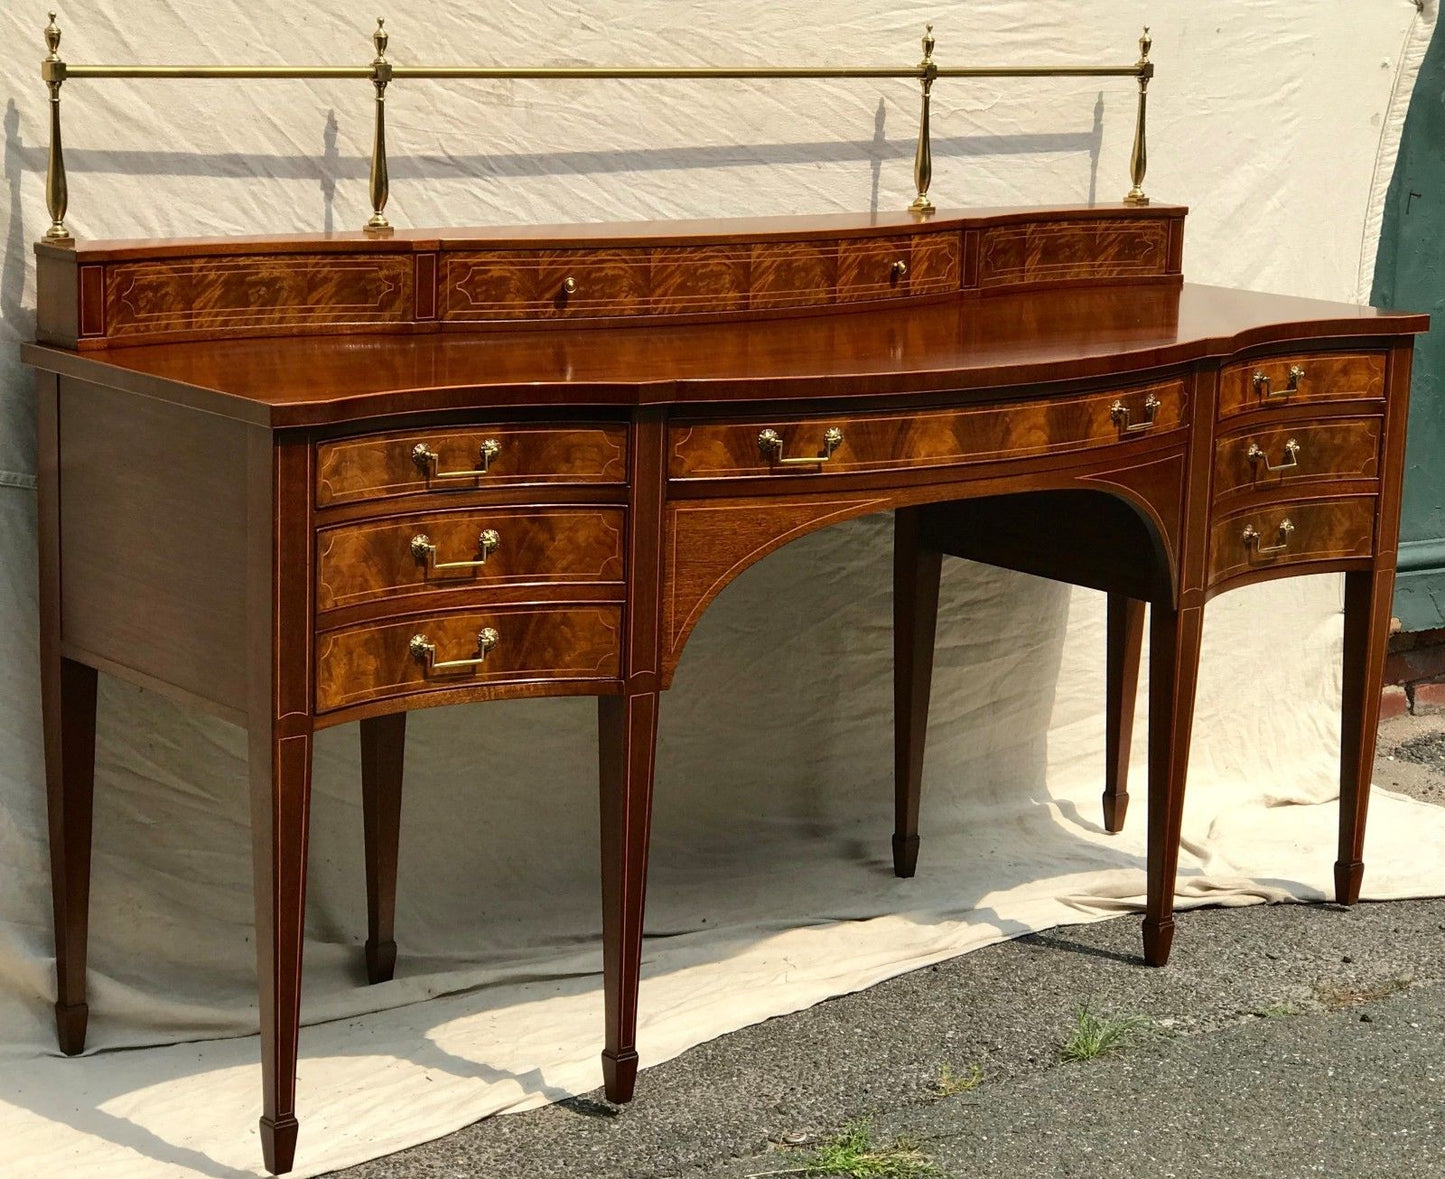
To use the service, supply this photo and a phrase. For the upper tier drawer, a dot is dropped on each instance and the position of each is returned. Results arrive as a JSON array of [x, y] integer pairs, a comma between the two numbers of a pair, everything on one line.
[[935, 438], [468, 549], [1290, 380], [1256, 459], [470, 458], [483, 285]]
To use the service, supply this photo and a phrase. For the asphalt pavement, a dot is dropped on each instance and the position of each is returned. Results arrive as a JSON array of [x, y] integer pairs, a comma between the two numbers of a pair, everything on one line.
[[1281, 1041]]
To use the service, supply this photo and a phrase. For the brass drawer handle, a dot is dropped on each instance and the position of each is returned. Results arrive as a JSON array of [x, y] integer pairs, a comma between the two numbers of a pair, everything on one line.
[[770, 442], [427, 459], [1256, 454], [900, 268], [1252, 539], [424, 651], [1262, 383], [569, 285], [426, 552], [1120, 413]]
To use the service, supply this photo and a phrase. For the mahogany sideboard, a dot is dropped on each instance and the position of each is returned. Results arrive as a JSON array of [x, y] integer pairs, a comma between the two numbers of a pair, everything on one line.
[[305, 481]]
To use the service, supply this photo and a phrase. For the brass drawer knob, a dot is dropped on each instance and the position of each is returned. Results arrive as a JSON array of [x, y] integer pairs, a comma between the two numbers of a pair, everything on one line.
[[1120, 413], [426, 552], [427, 460], [770, 442], [424, 651], [1256, 455], [1262, 384], [900, 268], [569, 285], [1252, 539]]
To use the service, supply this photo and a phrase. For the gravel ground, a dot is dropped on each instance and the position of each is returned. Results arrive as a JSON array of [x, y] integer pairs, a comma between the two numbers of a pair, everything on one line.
[[1282, 1041]]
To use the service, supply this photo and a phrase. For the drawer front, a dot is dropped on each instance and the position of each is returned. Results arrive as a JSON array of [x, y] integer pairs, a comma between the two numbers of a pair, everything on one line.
[[1283, 534], [501, 285], [1276, 456], [1291, 380], [697, 280], [794, 274], [403, 555], [890, 267], [874, 268], [375, 662], [545, 284], [473, 458], [937, 438]]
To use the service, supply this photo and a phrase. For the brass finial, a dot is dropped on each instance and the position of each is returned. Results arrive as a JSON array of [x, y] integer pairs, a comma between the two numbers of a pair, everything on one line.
[[1139, 158], [52, 71], [380, 182], [923, 156]]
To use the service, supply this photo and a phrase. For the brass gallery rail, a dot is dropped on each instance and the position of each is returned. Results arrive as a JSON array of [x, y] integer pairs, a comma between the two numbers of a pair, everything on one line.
[[382, 72]]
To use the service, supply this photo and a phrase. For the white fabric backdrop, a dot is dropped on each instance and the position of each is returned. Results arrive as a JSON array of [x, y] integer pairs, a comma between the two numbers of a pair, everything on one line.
[[1277, 123]]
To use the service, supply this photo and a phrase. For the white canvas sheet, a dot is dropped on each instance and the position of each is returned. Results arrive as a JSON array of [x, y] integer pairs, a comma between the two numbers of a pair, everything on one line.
[[770, 886]]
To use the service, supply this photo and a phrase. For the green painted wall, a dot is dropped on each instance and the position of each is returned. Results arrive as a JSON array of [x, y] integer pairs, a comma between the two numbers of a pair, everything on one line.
[[1410, 274]]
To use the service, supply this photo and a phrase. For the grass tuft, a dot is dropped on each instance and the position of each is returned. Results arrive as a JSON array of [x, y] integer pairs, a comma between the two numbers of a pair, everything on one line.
[[852, 1154], [1281, 1010], [951, 1084], [1095, 1035]]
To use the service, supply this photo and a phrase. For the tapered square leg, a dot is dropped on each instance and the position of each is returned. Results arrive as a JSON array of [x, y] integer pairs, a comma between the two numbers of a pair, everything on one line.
[[280, 817], [69, 719], [627, 740], [1174, 637], [383, 751], [1368, 599], [916, 572], [67, 708], [279, 616], [1125, 627]]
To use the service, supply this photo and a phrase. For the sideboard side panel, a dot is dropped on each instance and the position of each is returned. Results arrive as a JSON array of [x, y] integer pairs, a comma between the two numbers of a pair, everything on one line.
[[152, 539]]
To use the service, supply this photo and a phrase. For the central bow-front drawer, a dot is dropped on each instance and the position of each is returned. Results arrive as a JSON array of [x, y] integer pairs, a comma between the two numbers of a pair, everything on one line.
[[886, 441], [472, 548]]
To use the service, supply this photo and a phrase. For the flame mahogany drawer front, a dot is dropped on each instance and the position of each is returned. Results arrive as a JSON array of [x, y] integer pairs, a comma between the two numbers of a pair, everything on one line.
[[1287, 533], [468, 649], [467, 549], [1290, 380], [885, 441], [469, 458], [543, 284], [482, 285], [1278, 455]]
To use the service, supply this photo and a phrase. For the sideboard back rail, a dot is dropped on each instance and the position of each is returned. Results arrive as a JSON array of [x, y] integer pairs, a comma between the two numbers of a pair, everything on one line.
[[382, 72]]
